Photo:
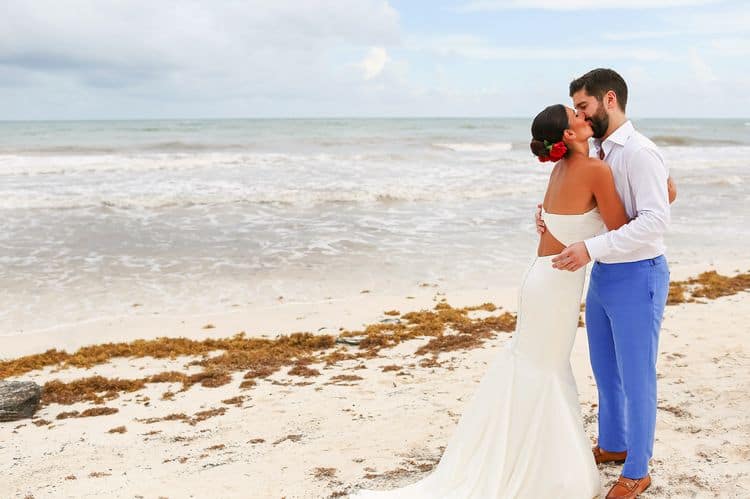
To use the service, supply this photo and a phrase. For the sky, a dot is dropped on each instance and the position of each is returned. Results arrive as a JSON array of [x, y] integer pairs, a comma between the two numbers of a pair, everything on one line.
[[153, 59]]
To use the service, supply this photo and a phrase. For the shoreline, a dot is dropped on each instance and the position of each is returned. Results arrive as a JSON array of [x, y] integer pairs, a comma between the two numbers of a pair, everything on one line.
[[359, 421], [265, 320]]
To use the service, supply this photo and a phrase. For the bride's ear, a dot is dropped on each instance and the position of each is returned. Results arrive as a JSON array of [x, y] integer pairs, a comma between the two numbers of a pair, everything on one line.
[[568, 135]]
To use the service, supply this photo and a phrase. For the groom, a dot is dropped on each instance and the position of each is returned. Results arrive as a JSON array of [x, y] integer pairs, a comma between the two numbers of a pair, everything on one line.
[[629, 282]]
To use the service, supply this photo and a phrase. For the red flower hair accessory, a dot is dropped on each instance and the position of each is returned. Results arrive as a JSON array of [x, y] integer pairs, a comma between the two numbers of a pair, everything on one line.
[[555, 152]]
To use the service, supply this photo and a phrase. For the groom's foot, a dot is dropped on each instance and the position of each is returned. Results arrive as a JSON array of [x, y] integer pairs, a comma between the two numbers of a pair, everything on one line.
[[605, 456], [627, 488]]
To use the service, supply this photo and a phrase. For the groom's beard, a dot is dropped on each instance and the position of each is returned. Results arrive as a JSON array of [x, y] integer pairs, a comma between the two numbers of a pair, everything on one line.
[[599, 124]]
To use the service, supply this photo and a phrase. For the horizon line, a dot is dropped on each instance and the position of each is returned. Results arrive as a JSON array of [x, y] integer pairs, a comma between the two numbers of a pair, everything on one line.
[[342, 117]]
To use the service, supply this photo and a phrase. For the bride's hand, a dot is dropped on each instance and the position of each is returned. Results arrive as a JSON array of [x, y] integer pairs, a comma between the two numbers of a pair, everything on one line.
[[671, 190], [540, 227]]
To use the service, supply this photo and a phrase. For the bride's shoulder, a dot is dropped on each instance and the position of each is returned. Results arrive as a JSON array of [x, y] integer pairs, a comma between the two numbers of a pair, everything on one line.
[[596, 165], [596, 171]]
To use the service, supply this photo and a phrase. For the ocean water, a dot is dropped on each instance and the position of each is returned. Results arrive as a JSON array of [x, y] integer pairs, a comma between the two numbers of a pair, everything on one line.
[[199, 216]]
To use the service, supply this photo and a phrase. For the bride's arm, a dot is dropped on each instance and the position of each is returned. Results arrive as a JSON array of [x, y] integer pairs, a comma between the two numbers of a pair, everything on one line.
[[609, 202]]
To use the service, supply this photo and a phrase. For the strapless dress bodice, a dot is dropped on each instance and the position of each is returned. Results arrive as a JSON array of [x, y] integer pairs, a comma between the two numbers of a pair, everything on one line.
[[569, 229]]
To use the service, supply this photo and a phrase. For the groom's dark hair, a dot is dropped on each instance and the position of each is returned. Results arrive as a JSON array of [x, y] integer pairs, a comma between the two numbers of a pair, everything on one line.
[[598, 82]]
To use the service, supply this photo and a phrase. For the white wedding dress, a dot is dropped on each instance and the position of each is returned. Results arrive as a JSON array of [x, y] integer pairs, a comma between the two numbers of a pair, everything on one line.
[[521, 434]]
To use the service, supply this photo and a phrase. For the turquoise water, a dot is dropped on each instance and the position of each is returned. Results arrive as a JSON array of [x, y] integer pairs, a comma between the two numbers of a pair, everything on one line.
[[195, 215]]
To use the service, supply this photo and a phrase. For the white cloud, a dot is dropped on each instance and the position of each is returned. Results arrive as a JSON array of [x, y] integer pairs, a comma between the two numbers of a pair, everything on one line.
[[731, 47], [731, 19], [640, 35], [492, 5], [721, 21], [228, 52], [472, 47], [374, 62], [701, 70]]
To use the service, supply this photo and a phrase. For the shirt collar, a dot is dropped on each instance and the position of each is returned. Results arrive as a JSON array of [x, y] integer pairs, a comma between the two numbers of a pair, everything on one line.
[[619, 137]]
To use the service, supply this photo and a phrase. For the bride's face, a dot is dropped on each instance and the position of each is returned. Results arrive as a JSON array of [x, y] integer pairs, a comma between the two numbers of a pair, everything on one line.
[[578, 124]]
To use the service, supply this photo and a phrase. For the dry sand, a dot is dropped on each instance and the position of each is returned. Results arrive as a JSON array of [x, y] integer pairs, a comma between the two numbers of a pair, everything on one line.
[[293, 436]]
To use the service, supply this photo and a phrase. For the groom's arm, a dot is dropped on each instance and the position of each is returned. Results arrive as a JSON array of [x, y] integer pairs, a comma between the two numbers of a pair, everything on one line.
[[648, 182], [540, 227]]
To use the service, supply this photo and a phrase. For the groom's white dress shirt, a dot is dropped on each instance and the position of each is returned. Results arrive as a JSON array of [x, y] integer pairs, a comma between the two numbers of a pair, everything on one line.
[[641, 180]]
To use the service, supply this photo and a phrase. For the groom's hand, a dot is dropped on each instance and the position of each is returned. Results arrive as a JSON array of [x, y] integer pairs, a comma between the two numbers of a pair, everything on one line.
[[540, 227], [572, 258]]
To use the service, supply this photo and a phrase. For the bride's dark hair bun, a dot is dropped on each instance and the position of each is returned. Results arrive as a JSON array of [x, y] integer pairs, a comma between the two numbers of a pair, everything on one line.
[[538, 148], [548, 125]]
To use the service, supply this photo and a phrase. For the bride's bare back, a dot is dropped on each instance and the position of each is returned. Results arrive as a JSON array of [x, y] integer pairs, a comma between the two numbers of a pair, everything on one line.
[[577, 185]]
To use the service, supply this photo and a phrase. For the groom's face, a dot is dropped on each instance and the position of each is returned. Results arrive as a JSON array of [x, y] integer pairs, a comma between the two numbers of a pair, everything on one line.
[[593, 111]]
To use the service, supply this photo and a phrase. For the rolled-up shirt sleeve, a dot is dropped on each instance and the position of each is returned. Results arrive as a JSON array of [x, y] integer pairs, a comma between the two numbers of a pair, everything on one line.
[[647, 175]]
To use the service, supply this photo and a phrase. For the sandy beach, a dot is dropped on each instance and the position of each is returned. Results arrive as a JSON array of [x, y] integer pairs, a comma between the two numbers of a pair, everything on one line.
[[313, 428]]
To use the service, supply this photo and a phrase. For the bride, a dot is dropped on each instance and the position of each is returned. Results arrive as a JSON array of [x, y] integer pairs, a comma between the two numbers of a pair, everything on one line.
[[521, 434]]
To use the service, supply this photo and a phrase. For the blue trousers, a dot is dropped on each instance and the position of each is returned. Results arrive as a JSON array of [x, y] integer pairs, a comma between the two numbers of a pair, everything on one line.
[[624, 309]]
